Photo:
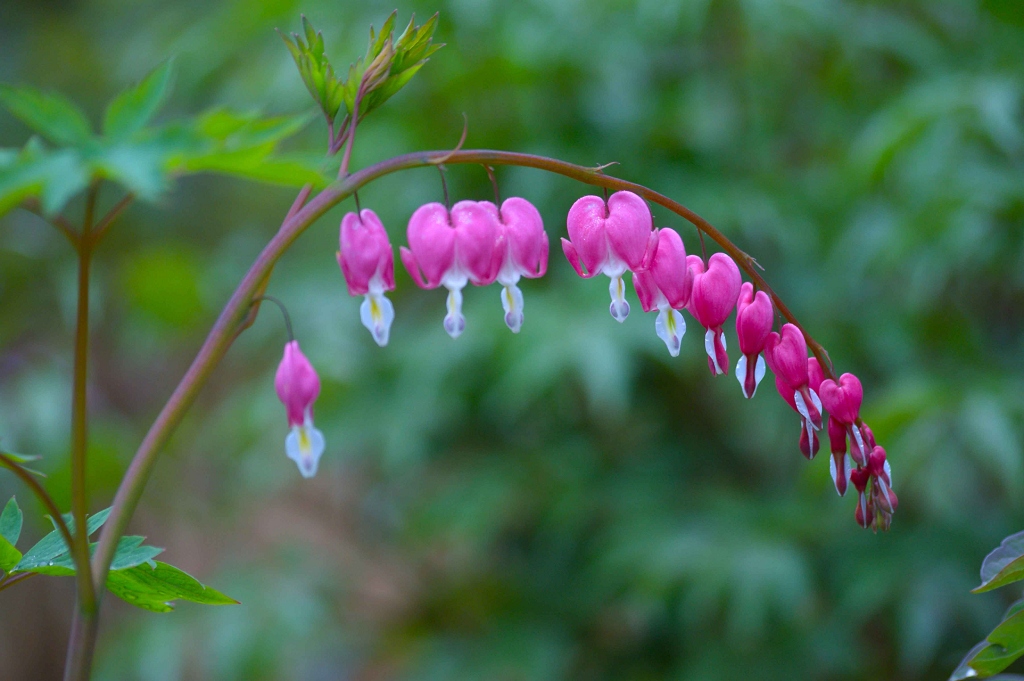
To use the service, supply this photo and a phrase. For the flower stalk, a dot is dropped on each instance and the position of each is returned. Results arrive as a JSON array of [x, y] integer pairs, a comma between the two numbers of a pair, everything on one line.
[[298, 219]]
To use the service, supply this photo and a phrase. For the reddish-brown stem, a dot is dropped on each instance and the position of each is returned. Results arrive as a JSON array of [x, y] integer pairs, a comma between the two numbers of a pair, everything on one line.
[[41, 493], [8, 582], [103, 226]]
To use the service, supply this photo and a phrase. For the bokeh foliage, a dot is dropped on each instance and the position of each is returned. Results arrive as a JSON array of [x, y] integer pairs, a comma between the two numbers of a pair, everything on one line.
[[567, 503]]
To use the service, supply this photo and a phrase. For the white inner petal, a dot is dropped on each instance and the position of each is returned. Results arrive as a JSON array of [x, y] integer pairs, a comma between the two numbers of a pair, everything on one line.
[[376, 313], [741, 375], [670, 327], [759, 370], [454, 322], [709, 347], [512, 302], [304, 445], [619, 307]]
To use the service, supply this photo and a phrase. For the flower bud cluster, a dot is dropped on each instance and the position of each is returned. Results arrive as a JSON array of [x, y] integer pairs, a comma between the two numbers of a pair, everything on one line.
[[476, 242]]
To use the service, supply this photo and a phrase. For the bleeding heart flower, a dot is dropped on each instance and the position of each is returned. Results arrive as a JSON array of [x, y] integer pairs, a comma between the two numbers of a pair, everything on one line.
[[523, 244], [610, 238], [298, 386], [754, 318], [368, 263], [665, 285], [714, 296], [452, 248], [797, 379]]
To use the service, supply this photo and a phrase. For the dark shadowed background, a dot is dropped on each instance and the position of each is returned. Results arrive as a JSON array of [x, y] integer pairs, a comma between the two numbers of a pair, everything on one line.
[[571, 502]]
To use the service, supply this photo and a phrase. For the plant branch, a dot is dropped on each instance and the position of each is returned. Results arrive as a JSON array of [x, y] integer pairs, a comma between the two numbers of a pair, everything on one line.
[[8, 582], [226, 326], [85, 618], [100, 230], [59, 221], [41, 493]]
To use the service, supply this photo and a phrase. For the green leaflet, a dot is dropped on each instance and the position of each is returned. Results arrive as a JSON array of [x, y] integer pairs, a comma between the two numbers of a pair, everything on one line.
[[10, 521], [131, 110], [155, 587], [48, 113]]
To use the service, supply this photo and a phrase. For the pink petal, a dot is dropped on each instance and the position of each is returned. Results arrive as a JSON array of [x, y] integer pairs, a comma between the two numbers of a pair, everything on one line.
[[754, 318], [296, 383], [628, 226], [586, 226], [669, 271], [476, 236], [715, 291], [432, 242], [527, 241]]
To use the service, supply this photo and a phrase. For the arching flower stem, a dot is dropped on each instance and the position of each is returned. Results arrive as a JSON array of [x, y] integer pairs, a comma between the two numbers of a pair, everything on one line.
[[232, 316]]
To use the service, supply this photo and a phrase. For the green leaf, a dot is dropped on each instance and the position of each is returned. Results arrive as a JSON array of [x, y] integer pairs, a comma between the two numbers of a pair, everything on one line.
[[155, 587], [999, 649], [130, 552], [52, 545], [141, 168], [10, 522], [54, 176], [256, 166], [131, 110], [1004, 565], [48, 113], [9, 556]]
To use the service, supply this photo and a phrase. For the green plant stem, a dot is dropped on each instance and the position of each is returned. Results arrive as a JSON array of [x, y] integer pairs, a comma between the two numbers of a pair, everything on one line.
[[85, 620], [225, 328]]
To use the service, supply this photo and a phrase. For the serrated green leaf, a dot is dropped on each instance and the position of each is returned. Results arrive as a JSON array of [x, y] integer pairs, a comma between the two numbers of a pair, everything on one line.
[[48, 113], [52, 545], [131, 110], [10, 522], [155, 588], [1004, 565]]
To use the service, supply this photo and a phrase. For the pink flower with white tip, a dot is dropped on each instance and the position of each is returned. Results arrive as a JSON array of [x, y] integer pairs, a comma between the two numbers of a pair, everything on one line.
[[610, 237], [842, 401], [754, 318], [298, 386], [665, 286], [451, 249], [523, 244], [876, 502], [797, 379], [715, 290], [368, 263]]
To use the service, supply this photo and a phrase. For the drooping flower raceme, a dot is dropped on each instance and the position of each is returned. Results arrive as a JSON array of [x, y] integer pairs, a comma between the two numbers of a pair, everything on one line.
[[368, 263], [298, 386], [715, 290], [523, 245], [610, 238], [452, 248], [754, 317], [797, 378], [665, 286]]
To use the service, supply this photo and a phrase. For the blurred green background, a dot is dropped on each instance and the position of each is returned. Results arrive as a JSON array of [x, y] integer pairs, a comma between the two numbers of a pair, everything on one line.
[[569, 503]]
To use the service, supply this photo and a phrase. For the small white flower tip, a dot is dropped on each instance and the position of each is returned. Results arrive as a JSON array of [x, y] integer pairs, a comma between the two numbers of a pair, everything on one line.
[[512, 303], [619, 307], [304, 445], [670, 327], [377, 313]]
